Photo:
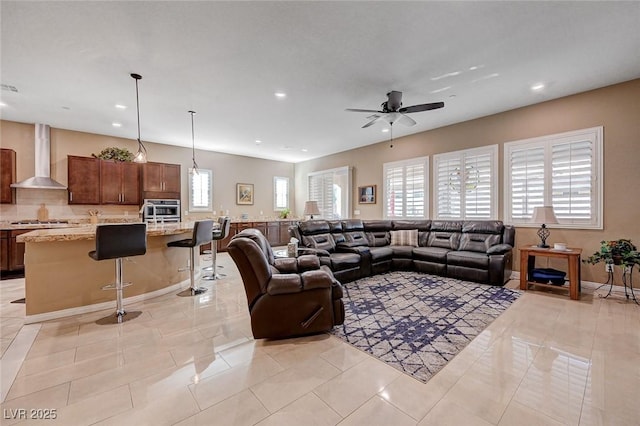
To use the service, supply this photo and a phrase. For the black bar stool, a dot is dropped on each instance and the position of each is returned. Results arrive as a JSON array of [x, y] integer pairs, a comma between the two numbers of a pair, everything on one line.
[[218, 234], [117, 242], [202, 234]]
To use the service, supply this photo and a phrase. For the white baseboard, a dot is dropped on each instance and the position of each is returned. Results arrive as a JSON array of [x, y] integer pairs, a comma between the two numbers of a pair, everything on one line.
[[30, 319]]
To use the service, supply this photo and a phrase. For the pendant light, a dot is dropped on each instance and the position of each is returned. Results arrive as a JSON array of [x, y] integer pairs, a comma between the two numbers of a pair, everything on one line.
[[193, 147], [141, 155]]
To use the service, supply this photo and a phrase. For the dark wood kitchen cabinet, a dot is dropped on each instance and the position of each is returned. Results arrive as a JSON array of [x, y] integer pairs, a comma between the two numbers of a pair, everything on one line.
[[277, 232], [119, 183], [7, 176], [83, 180], [160, 180], [12, 251]]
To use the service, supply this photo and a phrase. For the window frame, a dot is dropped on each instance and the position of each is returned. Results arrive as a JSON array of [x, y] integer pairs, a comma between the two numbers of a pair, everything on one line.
[[344, 170], [277, 208], [594, 135], [424, 161], [462, 155], [209, 207]]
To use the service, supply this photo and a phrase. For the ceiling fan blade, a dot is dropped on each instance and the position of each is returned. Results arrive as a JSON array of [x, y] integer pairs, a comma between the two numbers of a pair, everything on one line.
[[362, 110], [372, 122], [422, 107], [406, 120]]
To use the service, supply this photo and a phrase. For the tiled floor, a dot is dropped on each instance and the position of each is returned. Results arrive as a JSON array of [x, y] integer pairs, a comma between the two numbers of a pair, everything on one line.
[[192, 361]]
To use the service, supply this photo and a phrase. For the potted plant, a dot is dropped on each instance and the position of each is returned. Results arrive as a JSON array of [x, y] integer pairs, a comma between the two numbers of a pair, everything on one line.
[[115, 153], [284, 213], [616, 252]]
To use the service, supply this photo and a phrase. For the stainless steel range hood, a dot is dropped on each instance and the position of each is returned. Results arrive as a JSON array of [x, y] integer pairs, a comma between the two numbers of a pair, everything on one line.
[[42, 179]]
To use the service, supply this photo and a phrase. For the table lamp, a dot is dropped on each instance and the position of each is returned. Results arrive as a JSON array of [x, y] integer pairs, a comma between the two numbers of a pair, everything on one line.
[[544, 215], [311, 208]]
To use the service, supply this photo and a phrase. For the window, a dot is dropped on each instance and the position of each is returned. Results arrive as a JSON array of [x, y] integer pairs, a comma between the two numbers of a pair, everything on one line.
[[560, 170], [200, 190], [332, 190], [405, 189], [466, 184], [280, 193]]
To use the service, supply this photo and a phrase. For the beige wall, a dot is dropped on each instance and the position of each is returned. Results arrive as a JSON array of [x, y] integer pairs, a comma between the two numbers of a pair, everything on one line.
[[616, 107], [227, 171]]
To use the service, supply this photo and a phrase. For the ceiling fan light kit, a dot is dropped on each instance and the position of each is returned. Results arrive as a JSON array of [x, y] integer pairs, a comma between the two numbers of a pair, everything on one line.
[[392, 110]]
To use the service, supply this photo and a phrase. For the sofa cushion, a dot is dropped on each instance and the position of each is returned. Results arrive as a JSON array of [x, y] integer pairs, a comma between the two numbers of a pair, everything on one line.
[[377, 225], [404, 252], [341, 261], [379, 254], [407, 237], [378, 238], [431, 254], [310, 227], [444, 239], [483, 226], [469, 259], [420, 225], [478, 242], [319, 241]]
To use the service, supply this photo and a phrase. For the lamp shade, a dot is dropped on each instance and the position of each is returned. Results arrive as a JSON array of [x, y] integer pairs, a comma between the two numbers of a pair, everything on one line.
[[544, 215], [311, 208]]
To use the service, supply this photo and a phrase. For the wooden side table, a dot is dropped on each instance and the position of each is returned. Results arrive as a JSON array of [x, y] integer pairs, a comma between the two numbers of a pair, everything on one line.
[[527, 262]]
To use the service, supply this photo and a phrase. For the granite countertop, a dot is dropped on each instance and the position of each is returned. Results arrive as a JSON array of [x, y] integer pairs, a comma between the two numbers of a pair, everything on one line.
[[88, 232]]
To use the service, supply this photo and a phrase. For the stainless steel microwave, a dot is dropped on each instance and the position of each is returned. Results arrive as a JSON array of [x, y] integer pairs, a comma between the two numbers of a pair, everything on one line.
[[161, 211]]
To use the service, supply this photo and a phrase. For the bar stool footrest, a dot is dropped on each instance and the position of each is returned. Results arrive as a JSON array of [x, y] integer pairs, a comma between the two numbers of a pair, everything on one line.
[[112, 286]]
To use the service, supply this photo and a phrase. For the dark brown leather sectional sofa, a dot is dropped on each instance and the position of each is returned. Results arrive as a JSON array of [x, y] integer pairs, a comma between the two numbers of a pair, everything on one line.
[[479, 251]]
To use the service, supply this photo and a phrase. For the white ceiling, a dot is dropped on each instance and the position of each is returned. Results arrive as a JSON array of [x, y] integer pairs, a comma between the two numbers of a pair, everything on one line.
[[70, 62]]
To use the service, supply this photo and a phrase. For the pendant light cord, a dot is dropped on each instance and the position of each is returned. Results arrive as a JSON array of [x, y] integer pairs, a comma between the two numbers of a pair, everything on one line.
[[138, 108], [141, 155], [193, 145]]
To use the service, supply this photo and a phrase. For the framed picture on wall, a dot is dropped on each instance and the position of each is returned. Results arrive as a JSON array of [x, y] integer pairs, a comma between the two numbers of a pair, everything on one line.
[[367, 194], [244, 193]]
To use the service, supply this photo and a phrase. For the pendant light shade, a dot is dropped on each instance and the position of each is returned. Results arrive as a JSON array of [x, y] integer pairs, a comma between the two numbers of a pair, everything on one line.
[[193, 146], [141, 155]]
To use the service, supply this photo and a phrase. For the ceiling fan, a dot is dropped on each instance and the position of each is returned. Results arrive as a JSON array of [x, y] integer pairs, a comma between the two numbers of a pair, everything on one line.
[[392, 110]]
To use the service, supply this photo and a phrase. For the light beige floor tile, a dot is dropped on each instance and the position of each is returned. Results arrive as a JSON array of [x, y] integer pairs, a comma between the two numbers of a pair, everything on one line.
[[344, 356], [115, 377], [287, 386], [518, 414], [349, 390], [240, 409], [48, 362], [448, 413], [378, 412], [167, 410], [413, 397], [93, 409], [308, 410], [221, 386], [54, 397]]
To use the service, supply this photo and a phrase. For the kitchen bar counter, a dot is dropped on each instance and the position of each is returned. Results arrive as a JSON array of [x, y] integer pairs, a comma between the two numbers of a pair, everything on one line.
[[61, 279]]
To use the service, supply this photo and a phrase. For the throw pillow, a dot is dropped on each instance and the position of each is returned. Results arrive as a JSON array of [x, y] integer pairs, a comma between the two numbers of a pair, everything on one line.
[[406, 237]]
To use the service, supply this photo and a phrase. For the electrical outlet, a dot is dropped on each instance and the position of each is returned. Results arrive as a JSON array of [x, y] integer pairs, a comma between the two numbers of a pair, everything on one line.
[[186, 212], [608, 267]]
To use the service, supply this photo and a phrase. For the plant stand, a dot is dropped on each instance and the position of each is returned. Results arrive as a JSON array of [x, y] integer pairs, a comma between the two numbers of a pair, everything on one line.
[[610, 281]]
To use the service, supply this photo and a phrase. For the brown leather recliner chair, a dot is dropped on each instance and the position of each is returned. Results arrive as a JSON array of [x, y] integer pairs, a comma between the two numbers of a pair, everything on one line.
[[286, 296]]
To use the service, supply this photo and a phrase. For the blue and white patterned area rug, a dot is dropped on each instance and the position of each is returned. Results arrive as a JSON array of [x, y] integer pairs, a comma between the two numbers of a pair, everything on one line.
[[418, 322]]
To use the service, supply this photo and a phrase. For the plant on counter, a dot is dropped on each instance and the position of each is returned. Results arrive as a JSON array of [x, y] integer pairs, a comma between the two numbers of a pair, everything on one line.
[[115, 153], [617, 252], [285, 213]]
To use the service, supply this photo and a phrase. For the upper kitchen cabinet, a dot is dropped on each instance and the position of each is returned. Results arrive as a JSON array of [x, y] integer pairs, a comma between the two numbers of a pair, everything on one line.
[[160, 180], [119, 183], [7, 175], [84, 180]]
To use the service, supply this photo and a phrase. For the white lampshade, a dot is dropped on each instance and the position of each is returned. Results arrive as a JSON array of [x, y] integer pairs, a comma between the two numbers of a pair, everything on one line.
[[311, 208], [544, 215]]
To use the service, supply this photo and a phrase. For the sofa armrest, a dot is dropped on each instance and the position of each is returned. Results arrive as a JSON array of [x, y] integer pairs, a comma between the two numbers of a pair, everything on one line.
[[286, 265], [284, 284], [357, 249], [308, 262], [316, 279], [499, 249]]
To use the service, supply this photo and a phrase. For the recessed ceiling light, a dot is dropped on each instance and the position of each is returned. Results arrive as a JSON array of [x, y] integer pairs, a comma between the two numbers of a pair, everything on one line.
[[304, 150], [385, 130], [120, 106], [538, 86], [258, 141], [114, 124], [2, 104], [280, 95]]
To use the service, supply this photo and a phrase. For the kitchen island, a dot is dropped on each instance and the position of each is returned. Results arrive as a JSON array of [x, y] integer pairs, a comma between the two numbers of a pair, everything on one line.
[[61, 279]]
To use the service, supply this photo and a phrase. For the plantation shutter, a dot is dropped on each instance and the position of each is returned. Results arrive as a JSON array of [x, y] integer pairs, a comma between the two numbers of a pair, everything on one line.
[[321, 190], [527, 181], [465, 184], [571, 182], [405, 188]]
